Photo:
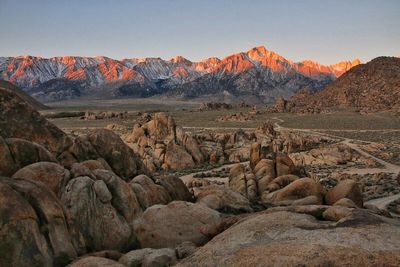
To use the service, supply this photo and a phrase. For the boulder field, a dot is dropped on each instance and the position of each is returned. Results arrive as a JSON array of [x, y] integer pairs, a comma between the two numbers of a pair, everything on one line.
[[96, 200]]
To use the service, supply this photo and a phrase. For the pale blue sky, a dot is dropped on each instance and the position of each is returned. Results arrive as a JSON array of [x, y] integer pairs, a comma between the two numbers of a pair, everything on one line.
[[326, 31]]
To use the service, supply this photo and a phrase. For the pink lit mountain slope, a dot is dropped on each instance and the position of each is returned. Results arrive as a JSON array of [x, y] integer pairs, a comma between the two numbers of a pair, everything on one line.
[[258, 72]]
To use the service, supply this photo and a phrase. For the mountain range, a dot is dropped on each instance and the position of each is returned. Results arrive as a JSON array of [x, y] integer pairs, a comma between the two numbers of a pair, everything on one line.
[[258, 73]]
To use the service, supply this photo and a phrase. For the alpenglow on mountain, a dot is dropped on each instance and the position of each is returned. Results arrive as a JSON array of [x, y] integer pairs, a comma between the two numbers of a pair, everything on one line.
[[257, 73]]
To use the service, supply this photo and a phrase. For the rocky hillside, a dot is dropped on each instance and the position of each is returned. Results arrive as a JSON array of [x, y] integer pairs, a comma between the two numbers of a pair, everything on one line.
[[258, 72], [370, 87]]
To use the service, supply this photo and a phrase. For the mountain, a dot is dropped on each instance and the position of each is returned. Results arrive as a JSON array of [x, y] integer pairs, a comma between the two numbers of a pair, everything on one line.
[[370, 87], [257, 72], [7, 86]]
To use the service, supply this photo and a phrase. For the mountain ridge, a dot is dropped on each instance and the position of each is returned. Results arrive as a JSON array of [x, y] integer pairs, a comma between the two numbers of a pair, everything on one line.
[[370, 87], [159, 75]]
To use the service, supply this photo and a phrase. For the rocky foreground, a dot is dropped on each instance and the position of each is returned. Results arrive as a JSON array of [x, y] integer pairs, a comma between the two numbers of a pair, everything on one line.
[[103, 200]]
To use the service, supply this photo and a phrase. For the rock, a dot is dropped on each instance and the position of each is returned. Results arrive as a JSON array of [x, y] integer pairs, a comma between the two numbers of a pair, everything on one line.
[[96, 164], [281, 182], [298, 189], [313, 210], [176, 157], [102, 191], [237, 179], [26, 209], [148, 257], [148, 193], [79, 169], [345, 189], [241, 182], [345, 202], [109, 254], [291, 239], [279, 106], [264, 173], [254, 154], [92, 261], [101, 226], [336, 213], [223, 199], [310, 200], [122, 159], [81, 149], [192, 147], [169, 225], [185, 249], [175, 187], [123, 199], [25, 153], [7, 164], [284, 165], [19, 120], [51, 174]]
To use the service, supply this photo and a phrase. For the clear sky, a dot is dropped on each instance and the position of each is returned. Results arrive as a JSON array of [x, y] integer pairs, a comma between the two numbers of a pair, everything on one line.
[[326, 31]]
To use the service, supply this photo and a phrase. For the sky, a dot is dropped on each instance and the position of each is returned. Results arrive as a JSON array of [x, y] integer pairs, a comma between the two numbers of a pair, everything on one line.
[[327, 31]]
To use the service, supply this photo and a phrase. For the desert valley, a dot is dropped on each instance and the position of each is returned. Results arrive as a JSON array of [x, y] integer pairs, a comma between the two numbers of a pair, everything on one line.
[[251, 159]]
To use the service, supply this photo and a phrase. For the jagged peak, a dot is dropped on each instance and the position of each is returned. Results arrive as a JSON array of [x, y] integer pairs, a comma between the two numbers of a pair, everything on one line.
[[28, 57], [211, 59], [180, 60], [261, 50]]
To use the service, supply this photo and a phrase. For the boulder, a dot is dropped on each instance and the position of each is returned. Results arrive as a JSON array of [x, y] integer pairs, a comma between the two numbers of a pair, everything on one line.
[[148, 193], [19, 120], [185, 249], [102, 192], [79, 169], [100, 224], [284, 165], [310, 200], [27, 208], [191, 146], [163, 226], [54, 176], [336, 213], [7, 163], [223, 199], [148, 257], [243, 183], [96, 164], [109, 254], [25, 152], [81, 149], [255, 150], [264, 173], [177, 158], [298, 189], [345, 189], [175, 187], [123, 198], [93, 261], [121, 158], [290, 239], [21, 241], [345, 202], [281, 182]]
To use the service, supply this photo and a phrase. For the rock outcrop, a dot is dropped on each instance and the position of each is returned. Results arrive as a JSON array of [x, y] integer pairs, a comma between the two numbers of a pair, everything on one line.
[[288, 238], [19, 120], [163, 226], [27, 208]]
